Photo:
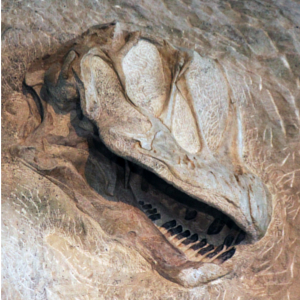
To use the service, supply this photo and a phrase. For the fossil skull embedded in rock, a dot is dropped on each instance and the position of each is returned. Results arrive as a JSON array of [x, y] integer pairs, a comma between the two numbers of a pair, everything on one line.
[[168, 112]]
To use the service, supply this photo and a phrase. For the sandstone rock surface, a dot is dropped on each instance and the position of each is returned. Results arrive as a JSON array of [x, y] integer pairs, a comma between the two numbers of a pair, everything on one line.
[[203, 94]]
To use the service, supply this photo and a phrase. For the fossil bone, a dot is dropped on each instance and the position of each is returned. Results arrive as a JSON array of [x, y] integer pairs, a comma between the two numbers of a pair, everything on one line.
[[156, 106], [196, 109]]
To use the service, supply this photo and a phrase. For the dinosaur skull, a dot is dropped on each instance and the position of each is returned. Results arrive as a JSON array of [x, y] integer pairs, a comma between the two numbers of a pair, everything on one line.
[[169, 112]]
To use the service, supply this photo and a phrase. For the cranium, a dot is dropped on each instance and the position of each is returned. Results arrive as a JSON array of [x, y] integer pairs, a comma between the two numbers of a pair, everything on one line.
[[166, 111]]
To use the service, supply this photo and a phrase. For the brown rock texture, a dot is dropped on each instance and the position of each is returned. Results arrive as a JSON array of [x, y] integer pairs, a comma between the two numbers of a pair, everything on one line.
[[204, 94]]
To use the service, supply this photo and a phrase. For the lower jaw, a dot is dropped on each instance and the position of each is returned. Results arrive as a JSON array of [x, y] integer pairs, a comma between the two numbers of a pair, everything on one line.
[[187, 249], [172, 263], [188, 273]]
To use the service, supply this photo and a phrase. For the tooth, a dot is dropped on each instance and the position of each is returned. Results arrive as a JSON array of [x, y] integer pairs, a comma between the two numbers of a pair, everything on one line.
[[169, 224], [154, 217], [166, 226], [182, 236], [197, 255], [192, 239], [151, 211], [214, 253], [215, 227], [203, 253], [147, 206], [185, 244], [190, 215], [206, 250], [174, 231], [225, 256], [192, 251], [228, 240], [241, 236], [199, 245]]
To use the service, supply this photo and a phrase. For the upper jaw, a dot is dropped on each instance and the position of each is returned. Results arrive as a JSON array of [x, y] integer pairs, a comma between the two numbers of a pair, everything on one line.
[[135, 133], [244, 198]]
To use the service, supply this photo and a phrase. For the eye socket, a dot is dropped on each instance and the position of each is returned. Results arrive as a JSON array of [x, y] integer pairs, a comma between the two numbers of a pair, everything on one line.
[[146, 83], [193, 105]]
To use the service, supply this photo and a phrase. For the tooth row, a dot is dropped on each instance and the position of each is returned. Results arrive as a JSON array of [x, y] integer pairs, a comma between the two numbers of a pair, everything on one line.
[[194, 249]]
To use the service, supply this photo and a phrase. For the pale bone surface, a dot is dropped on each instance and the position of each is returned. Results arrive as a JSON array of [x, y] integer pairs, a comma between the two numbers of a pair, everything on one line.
[[215, 171], [51, 250]]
